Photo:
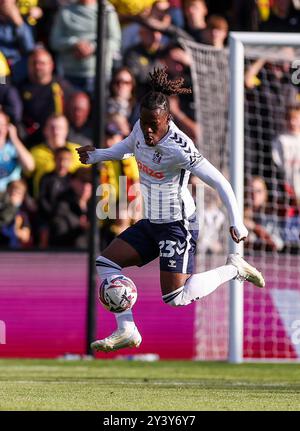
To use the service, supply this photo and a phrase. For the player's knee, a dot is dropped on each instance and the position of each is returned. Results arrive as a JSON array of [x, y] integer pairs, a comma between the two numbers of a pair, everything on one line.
[[106, 267], [175, 298], [173, 302], [103, 261]]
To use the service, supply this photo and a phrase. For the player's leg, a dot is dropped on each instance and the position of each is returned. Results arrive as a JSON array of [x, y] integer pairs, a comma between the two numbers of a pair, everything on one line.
[[178, 283], [122, 253], [177, 292], [128, 249]]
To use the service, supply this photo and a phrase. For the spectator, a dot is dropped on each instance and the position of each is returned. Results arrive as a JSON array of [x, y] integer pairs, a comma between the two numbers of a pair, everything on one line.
[[159, 19], [15, 231], [143, 57], [10, 101], [132, 7], [214, 222], [260, 219], [286, 157], [45, 22], [266, 15], [13, 155], [130, 28], [74, 36], [186, 124], [78, 111], [42, 93], [122, 93], [111, 171], [30, 11], [4, 68], [195, 12], [269, 91], [283, 18], [56, 182], [70, 224], [16, 38], [216, 31], [286, 152], [52, 185], [120, 123], [176, 13], [247, 14], [178, 63], [56, 132], [160, 12], [156, 17]]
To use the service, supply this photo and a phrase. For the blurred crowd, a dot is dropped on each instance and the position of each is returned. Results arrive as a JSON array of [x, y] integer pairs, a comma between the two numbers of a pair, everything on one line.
[[47, 80]]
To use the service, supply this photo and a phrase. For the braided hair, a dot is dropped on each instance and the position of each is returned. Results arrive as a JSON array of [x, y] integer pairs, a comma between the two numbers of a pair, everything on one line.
[[162, 87]]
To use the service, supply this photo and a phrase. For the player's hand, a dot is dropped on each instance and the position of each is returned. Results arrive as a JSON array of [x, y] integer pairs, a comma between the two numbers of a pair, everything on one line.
[[235, 235], [83, 153]]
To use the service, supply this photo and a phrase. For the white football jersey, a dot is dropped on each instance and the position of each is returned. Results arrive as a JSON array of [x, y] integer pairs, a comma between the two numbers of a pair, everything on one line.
[[164, 173]]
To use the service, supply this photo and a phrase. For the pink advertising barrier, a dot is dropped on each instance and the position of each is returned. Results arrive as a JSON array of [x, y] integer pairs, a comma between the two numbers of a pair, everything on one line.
[[43, 300], [271, 314]]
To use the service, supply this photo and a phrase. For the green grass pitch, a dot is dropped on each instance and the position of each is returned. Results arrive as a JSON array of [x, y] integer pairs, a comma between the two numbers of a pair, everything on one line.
[[165, 385]]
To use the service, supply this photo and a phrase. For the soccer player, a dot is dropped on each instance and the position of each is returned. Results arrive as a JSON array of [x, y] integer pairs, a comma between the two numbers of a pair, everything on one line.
[[166, 157]]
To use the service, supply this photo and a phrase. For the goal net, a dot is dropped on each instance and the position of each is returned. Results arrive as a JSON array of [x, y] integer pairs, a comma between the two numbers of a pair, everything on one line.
[[271, 316]]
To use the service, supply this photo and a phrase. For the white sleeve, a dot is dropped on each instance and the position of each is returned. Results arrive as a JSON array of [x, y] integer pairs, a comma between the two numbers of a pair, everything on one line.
[[116, 152], [211, 176], [192, 160]]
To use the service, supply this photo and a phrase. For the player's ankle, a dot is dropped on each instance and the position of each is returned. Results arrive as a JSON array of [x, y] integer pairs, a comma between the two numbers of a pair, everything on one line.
[[127, 326], [125, 320]]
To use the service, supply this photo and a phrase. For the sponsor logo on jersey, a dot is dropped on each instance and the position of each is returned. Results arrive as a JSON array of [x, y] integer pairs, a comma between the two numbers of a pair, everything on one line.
[[172, 263], [149, 171], [156, 157]]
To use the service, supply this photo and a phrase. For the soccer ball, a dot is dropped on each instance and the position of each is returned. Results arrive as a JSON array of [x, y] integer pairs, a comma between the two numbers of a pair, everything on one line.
[[117, 293]]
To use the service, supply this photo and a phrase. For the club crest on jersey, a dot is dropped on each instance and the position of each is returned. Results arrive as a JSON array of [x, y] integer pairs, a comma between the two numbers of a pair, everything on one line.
[[156, 157]]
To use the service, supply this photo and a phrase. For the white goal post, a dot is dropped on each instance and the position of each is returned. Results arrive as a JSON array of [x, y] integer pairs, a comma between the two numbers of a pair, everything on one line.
[[237, 42], [243, 98]]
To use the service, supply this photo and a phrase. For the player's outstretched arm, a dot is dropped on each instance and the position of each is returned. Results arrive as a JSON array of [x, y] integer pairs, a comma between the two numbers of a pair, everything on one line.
[[89, 154], [211, 176]]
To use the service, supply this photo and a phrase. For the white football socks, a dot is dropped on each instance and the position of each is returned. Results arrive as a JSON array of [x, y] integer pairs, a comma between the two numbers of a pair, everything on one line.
[[200, 285], [106, 268], [125, 320]]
